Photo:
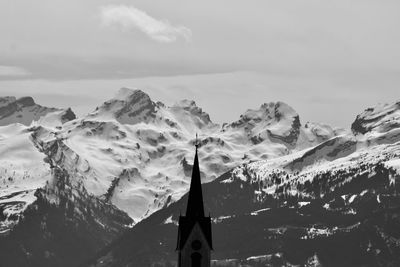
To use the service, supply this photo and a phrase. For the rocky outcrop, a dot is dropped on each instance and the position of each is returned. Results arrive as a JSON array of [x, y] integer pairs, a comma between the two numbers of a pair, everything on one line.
[[379, 119]]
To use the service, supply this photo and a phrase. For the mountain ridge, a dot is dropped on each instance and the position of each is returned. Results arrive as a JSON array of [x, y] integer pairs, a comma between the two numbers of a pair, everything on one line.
[[24, 110], [148, 148]]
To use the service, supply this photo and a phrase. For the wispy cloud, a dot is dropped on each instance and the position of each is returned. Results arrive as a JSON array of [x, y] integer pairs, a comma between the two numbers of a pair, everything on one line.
[[11, 71], [129, 17]]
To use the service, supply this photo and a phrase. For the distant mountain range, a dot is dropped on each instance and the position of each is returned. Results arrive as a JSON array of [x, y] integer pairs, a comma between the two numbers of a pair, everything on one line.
[[106, 189]]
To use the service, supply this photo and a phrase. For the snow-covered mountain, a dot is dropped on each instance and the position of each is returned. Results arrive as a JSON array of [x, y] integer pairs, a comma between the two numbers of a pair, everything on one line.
[[380, 119], [134, 152], [23, 169], [334, 204], [24, 110], [131, 156]]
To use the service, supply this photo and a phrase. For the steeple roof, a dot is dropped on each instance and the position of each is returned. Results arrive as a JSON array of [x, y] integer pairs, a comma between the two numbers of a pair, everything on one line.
[[194, 210], [195, 207]]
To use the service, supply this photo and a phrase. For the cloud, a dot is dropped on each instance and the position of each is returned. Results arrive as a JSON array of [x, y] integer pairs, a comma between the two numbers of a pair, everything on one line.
[[11, 71], [129, 17]]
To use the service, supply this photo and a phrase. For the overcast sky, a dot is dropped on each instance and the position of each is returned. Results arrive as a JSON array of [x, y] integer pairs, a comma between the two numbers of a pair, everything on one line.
[[327, 59]]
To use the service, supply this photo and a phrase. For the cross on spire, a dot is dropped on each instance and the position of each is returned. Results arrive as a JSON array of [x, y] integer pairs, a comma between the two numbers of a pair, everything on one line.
[[196, 144]]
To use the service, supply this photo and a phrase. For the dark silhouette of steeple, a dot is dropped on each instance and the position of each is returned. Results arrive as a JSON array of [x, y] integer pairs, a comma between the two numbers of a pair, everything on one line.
[[195, 206], [194, 232]]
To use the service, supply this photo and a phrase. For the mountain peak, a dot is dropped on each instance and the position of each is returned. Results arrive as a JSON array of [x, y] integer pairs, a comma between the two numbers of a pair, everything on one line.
[[128, 107], [23, 110], [268, 112], [279, 109], [185, 103], [68, 115], [26, 101], [190, 107], [127, 94], [273, 120], [381, 118]]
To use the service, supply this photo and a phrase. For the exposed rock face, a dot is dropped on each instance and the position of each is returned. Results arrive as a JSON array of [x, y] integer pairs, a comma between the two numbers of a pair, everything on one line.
[[127, 107], [191, 107], [276, 121], [291, 136], [26, 101], [381, 118], [24, 110], [68, 115], [8, 105]]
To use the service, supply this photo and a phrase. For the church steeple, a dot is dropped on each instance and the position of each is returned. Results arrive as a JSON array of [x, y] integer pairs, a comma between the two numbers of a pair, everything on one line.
[[194, 233], [195, 207]]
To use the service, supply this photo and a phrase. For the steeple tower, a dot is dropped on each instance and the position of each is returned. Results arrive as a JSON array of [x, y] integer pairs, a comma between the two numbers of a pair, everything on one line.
[[195, 207], [194, 234]]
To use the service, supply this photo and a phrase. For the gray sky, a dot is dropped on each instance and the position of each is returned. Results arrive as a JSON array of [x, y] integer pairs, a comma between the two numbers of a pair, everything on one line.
[[328, 59]]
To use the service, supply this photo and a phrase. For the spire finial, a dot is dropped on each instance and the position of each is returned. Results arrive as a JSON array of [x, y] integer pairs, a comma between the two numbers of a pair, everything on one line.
[[196, 144]]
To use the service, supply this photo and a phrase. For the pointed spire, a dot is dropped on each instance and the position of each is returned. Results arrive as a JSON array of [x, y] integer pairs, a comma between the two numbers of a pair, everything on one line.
[[195, 207]]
